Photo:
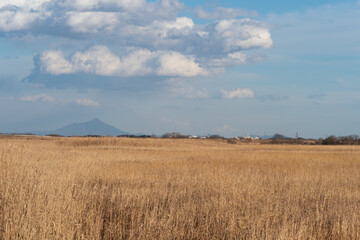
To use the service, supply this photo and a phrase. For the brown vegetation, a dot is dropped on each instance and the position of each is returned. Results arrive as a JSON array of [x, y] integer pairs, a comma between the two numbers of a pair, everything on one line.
[[108, 188]]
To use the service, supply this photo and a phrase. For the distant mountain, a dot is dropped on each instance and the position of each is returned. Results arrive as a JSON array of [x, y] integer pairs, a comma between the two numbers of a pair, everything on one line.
[[93, 127]]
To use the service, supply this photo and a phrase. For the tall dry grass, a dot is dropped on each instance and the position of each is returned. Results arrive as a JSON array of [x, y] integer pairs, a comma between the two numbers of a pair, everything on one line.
[[76, 188]]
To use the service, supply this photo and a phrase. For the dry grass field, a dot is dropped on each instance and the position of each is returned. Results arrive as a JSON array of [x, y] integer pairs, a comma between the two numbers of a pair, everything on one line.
[[108, 188]]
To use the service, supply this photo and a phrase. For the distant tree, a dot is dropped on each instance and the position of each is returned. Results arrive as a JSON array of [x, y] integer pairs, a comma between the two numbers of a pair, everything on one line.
[[54, 135], [331, 140], [144, 136], [172, 135], [344, 140], [350, 140], [320, 141], [215, 136], [126, 136], [278, 136]]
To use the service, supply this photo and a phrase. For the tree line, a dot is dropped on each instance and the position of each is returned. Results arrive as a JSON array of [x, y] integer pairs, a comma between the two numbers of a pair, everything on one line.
[[343, 140]]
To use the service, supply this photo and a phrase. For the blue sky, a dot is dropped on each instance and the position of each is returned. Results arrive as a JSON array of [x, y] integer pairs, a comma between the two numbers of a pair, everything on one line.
[[197, 67], [264, 7]]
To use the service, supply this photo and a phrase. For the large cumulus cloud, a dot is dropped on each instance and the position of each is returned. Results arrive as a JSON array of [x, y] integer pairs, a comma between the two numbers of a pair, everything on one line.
[[99, 60], [123, 38]]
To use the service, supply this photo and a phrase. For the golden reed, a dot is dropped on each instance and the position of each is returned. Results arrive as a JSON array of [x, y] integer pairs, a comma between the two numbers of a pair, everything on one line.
[[108, 188]]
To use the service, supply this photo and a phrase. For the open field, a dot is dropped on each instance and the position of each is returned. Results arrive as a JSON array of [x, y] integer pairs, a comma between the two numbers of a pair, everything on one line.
[[108, 188]]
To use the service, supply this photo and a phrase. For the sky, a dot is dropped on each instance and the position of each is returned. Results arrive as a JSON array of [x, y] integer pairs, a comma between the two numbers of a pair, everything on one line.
[[197, 67]]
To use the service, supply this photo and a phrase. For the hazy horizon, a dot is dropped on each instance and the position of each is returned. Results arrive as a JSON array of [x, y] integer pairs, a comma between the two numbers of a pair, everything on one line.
[[196, 67]]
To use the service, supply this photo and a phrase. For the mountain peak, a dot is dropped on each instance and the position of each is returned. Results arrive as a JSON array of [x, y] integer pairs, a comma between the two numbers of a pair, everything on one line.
[[92, 127], [95, 120]]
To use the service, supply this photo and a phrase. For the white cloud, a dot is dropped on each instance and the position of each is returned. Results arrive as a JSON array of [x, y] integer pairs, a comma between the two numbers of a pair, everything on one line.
[[176, 64], [83, 15], [203, 34], [92, 22], [154, 25], [183, 25], [155, 11], [179, 23], [221, 13], [146, 38], [54, 62], [236, 58], [232, 59], [243, 34], [25, 4], [38, 98], [18, 15], [97, 60], [160, 33], [86, 102], [137, 63], [14, 21], [81, 5], [171, 4], [240, 93]]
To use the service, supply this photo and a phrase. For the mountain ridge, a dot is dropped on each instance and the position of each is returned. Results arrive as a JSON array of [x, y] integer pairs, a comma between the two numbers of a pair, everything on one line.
[[92, 127]]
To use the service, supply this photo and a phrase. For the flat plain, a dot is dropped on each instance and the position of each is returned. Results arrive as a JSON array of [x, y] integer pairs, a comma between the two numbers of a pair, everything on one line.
[[118, 188]]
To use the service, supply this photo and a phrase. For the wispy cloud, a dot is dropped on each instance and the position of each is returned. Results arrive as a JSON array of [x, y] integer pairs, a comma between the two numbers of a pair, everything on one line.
[[316, 97], [44, 98], [240, 93], [221, 13], [86, 102], [38, 98], [92, 22]]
